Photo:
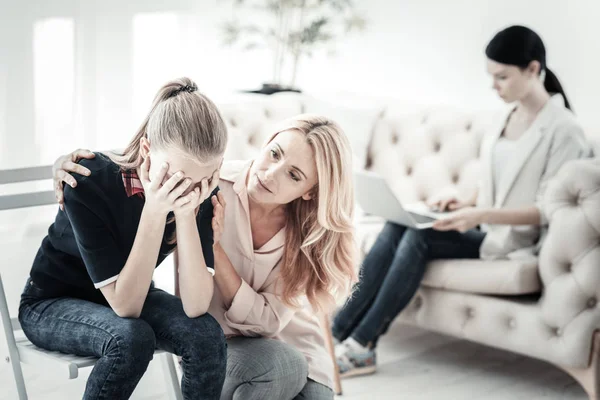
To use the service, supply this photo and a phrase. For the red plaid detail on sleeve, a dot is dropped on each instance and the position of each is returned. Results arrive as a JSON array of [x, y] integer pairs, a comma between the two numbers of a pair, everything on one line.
[[132, 183]]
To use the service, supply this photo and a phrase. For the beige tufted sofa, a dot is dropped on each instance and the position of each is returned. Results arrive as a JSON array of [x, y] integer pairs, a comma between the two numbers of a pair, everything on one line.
[[546, 308]]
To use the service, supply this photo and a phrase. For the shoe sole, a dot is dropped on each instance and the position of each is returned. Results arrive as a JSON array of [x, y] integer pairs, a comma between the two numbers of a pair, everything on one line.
[[359, 372]]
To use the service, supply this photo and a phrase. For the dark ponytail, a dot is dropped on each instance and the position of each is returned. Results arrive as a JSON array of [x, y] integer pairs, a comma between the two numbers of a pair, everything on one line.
[[552, 85], [519, 46]]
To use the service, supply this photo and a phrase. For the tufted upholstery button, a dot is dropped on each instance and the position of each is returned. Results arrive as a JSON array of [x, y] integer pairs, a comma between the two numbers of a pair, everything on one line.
[[511, 323], [251, 140], [233, 122], [569, 267], [437, 146], [592, 302], [455, 178], [556, 331], [395, 138], [469, 312], [369, 161], [409, 170], [469, 126], [418, 302], [574, 200], [267, 113]]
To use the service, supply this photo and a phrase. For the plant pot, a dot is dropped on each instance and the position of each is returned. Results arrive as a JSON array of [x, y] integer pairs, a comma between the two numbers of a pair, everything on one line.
[[270, 88]]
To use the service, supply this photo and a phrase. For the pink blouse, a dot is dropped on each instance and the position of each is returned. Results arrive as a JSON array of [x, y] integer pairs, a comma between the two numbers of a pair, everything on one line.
[[257, 309]]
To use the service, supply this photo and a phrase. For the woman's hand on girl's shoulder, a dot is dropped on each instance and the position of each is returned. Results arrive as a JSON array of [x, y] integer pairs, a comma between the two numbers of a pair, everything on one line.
[[62, 169]]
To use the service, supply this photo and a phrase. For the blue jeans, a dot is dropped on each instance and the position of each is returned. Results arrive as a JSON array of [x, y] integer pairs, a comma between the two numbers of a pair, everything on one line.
[[125, 346], [391, 274]]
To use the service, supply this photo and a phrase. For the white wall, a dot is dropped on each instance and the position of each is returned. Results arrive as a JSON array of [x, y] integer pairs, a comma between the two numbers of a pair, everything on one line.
[[430, 51]]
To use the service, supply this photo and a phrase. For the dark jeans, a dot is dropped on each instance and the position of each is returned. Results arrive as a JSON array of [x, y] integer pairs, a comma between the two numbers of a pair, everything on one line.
[[125, 346], [391, 274]]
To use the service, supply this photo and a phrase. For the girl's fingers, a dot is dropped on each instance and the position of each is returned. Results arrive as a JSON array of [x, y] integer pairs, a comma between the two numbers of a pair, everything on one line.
[[215, 180], [204, 188], [191, 196], [145, 171], [179, 189], [157, 182], [172, 183]]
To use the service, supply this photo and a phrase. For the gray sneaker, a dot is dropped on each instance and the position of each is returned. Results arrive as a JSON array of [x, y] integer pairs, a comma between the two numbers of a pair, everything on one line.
[[353, 363]]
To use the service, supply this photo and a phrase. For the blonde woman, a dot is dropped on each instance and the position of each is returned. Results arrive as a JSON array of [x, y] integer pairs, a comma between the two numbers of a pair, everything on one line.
[[284, 250], [90, 289]]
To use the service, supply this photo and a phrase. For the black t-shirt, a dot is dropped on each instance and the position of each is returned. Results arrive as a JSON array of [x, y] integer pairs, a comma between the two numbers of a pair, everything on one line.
[[89, 243]]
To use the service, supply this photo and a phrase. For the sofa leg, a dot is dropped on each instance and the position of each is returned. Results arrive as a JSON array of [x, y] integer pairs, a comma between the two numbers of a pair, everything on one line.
[[589, 378]]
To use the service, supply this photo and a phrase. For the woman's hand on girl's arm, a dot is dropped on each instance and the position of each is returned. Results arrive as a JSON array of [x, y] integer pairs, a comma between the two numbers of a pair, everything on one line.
[[218, 221], [61, 169]]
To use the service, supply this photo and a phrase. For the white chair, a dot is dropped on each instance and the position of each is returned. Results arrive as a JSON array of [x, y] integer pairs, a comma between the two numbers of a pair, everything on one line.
[[22, 350]]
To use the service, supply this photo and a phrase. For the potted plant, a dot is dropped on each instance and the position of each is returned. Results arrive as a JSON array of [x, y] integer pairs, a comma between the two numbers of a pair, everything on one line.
[[294, 29]]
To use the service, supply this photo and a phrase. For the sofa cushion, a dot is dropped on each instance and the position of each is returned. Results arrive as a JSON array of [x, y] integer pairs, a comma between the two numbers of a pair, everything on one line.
[[502, 277]]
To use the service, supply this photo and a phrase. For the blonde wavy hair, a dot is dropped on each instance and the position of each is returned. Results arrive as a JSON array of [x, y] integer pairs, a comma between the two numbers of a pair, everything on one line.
[[319, 232]]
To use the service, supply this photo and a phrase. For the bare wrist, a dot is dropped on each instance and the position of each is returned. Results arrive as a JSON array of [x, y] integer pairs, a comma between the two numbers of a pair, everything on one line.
[[185, 215], [149, 212], [484, 216], [217, 248]]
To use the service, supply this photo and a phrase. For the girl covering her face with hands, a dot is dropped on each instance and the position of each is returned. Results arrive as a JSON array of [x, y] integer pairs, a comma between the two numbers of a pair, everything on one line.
[[90, 290], [284, 250]]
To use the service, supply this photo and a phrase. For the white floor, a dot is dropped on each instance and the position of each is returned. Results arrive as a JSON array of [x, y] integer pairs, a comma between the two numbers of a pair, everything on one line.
[[413, 364]]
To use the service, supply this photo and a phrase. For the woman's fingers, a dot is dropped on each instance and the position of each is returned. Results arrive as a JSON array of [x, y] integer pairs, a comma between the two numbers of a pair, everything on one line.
[[446, 203], [81, 153], [221, 198], [70, 166], [58, 192], [62, 176], [454, 206], [444, 224]]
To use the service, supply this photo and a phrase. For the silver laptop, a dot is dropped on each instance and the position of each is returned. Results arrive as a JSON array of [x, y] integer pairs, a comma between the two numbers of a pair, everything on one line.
[[375, 197]]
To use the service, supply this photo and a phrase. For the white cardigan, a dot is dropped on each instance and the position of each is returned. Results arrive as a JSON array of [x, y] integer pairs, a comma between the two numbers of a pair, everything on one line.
[[554, 138]]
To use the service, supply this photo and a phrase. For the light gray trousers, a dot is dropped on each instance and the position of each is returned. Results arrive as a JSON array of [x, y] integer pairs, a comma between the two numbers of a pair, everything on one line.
[[268, 369]]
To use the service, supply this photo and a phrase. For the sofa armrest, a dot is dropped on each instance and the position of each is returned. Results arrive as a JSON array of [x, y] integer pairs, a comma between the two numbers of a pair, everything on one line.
[[570, 255]]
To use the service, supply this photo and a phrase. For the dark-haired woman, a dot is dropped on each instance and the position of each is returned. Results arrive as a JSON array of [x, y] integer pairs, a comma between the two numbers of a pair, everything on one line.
[[505, 220]]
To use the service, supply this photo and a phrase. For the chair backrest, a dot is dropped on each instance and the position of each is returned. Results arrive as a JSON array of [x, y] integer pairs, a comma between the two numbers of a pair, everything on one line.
[[30, 199], [16, 201]]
